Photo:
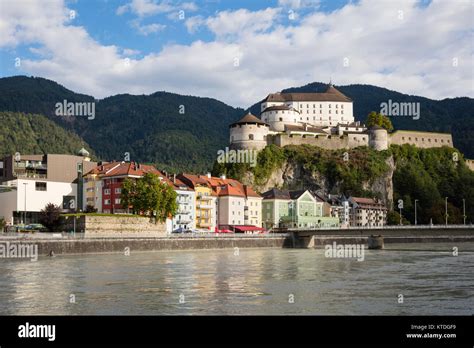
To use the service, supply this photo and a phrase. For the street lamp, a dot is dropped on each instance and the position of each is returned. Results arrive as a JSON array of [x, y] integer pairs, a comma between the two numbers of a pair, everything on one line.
[[464, 210], [416, 200], [446, 209], [24, 221]]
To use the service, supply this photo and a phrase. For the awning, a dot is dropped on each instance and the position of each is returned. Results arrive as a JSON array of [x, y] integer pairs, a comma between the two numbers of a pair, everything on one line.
[[247, 228]]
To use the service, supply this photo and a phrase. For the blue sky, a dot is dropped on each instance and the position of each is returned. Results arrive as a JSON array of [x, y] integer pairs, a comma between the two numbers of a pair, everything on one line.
[[239, 51]]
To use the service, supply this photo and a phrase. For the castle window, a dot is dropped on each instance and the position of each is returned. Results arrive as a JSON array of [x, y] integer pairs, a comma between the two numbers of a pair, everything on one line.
[[442, 140], [281, 119], [422, 139], [250, 136], [403, 138], [429, 140], [409, 138], [436, 140]]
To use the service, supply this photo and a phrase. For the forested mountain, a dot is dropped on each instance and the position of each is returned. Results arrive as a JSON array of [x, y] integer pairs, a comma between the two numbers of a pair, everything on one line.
[[178, 132], [35, 134], [174, 132]]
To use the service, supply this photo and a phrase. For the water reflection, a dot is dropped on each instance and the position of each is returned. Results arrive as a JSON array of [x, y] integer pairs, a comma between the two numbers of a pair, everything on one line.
[[254, 281]]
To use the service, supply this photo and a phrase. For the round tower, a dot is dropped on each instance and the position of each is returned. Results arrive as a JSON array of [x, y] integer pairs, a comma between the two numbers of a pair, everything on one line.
[[249, 132], [378, 138], [279, 115]]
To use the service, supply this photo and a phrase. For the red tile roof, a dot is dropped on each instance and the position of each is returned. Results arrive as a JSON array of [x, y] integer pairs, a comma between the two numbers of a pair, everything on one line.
[[219, 186], [124, 169]]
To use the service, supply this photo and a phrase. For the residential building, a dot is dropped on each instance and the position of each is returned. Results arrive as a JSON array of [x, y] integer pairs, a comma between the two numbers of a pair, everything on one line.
[[205, 201], [295, 209], [186, 198], [104, 184], [365, 212], [239, 206], [30, 182]]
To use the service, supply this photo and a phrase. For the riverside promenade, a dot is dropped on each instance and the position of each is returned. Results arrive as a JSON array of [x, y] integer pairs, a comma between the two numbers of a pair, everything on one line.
[[69, 243]]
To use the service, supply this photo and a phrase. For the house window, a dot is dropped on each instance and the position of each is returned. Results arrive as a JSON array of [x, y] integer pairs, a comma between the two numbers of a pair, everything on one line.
[[117, 200], [250, 136], [106, 191], [107, 201], [40, 186], [118, 190]]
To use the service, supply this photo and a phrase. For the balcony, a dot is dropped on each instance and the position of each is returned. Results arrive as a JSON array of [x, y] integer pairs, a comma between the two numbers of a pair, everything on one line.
[[204, 206], [204, 197]]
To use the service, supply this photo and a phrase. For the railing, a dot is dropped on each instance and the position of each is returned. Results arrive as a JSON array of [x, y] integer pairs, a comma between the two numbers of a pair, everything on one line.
[[387, 227], [228, 235]]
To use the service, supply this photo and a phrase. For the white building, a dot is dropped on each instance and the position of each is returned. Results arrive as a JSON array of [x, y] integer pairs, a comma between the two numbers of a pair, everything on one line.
[[31, 196], [329, 108]]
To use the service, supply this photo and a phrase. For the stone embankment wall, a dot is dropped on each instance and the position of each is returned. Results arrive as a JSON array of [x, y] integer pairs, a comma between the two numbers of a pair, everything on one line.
[[115, 226], [108, 245]]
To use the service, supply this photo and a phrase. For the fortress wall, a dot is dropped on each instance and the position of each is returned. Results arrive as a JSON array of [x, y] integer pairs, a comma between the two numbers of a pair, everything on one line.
[[356, 140], [333, 143], [421, 139]]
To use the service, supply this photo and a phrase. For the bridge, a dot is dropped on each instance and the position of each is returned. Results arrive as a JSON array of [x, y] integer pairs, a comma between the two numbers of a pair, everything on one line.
[[310, 238]]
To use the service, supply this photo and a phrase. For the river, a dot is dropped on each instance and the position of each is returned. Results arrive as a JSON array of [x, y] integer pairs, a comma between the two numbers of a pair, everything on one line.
[[242, 282]]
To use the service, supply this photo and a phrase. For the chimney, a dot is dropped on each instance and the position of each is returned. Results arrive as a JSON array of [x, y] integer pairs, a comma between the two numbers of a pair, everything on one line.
[[174, 178], [223, 176], [209, 175]]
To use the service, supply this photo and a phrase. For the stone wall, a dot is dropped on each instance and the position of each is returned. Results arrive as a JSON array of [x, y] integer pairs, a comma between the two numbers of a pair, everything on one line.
[[332, 143], [120, 245], [115, 226], [421, 139]]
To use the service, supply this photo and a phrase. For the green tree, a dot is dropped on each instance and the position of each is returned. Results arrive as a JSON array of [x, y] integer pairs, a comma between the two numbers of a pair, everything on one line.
[[50, 217], [377, 119], [149, 196]]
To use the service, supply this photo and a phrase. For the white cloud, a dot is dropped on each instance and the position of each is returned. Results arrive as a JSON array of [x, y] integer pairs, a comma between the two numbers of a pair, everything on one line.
[[145, 7], [413, 54], [146, 29]]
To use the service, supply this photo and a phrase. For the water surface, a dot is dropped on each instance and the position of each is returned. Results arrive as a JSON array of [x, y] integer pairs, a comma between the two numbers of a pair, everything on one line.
[[255, 281]]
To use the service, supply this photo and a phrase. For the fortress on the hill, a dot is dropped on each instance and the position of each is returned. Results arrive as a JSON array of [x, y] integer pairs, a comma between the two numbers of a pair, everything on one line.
[[322, 119]]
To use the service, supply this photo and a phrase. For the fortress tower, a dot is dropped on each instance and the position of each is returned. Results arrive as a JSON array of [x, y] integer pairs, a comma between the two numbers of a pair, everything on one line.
[[278, 116], [249, 132], [378, 138]]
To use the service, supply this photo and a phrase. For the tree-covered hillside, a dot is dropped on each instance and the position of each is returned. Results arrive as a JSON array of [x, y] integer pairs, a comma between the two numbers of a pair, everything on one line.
[[172, 131], [35, 134], [401, 172], [184, 133]]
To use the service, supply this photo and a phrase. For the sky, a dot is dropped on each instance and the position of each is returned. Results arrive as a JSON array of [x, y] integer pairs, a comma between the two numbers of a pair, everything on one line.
[[240, 51]]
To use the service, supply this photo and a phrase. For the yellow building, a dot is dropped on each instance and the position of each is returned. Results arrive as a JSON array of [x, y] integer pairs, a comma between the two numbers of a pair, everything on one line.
[[205, 201]]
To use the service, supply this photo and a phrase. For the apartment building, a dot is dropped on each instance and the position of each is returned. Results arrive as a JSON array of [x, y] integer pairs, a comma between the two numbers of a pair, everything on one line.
[[295, 209], [30, 182], [366, 212]]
